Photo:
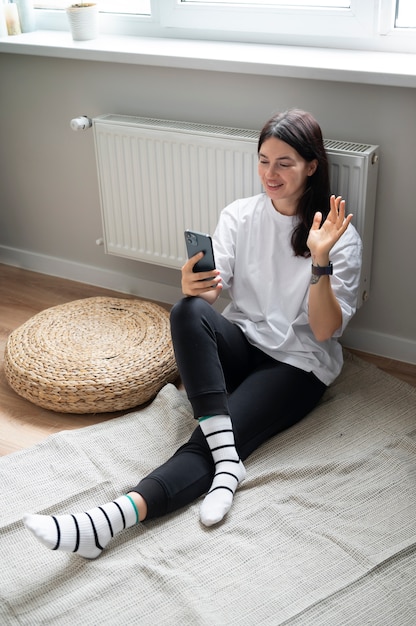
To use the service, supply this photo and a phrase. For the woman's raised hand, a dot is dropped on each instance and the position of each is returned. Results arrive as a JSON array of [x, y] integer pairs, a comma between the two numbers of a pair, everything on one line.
[[323, 236]]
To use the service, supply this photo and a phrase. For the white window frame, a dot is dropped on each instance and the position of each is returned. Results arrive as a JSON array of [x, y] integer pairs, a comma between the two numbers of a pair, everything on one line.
[[367, 25], [397, 39], [356, 21]]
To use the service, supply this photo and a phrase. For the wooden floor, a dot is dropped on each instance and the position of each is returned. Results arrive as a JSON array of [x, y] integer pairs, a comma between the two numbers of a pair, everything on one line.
[[22, 295]]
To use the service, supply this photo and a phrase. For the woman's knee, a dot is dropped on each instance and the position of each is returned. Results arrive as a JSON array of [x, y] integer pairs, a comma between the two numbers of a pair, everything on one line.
[[188, 309]]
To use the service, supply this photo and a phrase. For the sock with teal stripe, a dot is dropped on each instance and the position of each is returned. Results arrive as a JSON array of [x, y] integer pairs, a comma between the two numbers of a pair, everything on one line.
[[229, 469], [86, 534]]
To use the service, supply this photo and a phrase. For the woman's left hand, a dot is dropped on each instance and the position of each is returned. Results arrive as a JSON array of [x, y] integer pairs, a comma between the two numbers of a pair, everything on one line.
[[322, 238]]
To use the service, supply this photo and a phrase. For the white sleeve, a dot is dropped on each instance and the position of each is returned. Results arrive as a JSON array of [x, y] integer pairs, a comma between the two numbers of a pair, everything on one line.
[[346, 257], [224, 243]]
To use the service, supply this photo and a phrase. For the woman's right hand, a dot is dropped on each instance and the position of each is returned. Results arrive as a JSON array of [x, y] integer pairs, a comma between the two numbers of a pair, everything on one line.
[[208, 285]]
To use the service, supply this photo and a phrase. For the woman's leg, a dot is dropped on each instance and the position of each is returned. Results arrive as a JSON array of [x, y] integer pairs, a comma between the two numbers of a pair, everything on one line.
[[212, 356], [272, 398]]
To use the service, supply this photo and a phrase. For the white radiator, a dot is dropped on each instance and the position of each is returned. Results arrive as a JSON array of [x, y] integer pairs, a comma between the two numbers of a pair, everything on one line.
[[159, 177]]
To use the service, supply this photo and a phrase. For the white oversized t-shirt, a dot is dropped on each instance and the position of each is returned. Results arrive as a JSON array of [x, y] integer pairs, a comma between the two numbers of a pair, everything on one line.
[[269, 285]]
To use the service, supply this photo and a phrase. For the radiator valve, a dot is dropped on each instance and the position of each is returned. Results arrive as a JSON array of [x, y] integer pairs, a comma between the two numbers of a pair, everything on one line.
[[81, 123]]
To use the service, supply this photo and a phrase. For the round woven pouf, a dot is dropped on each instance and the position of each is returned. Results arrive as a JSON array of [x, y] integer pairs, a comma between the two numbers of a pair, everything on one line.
[[95, 355]]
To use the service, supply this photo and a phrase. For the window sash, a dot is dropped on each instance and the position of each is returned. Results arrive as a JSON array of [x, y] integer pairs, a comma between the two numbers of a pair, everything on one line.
[[355, 21]]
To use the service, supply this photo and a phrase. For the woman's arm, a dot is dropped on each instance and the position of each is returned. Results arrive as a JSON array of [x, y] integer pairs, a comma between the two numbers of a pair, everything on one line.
[[325, 315]]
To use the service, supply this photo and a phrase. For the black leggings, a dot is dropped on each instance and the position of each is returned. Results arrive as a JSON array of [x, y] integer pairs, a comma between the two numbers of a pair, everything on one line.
[[224, 374]]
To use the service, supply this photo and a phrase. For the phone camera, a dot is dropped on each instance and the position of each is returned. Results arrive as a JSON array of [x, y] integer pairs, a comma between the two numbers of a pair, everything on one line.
[[191, 239]]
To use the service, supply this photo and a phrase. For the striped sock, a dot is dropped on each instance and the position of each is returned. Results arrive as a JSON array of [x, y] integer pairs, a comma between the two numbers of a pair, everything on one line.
[[229, 469], [86, 534]]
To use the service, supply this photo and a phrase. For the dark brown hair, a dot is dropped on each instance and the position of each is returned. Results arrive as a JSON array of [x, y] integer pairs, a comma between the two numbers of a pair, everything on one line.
[[300, 130]]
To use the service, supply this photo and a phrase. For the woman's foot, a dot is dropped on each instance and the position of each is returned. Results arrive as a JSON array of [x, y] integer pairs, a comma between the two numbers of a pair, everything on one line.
[[86, 534], [229, 469]]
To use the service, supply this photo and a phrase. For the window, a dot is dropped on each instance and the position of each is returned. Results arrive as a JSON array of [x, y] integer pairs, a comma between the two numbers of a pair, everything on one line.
[[353, 24], [405, 14], [397, 22]]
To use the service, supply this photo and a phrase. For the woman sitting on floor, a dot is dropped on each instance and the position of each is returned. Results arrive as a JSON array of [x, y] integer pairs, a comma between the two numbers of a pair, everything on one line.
[[291, 261]]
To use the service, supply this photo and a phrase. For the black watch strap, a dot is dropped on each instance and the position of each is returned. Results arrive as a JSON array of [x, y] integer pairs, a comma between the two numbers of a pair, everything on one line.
[[317, 270]]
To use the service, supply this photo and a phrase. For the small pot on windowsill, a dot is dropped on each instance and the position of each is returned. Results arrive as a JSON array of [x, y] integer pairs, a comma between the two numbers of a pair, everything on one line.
[[83, 20]]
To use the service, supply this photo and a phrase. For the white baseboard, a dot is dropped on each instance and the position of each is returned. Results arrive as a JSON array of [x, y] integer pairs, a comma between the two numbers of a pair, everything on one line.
[[380, 344], [53, 266]]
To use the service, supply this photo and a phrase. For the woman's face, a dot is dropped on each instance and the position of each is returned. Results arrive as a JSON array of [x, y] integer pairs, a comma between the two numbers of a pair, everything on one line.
[[283, 173]]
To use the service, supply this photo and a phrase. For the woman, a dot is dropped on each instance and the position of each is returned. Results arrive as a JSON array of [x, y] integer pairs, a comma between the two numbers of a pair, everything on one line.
[[291, 261]]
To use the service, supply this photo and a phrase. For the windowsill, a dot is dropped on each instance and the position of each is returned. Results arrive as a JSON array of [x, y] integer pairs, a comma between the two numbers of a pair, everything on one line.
[[373, 68]]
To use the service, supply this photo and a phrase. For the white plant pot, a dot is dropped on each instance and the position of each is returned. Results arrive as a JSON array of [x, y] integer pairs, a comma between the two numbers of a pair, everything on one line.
[[83, 22]]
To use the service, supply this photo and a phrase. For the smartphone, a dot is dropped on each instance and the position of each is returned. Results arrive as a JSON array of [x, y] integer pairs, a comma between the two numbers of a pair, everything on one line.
[[199, 242]]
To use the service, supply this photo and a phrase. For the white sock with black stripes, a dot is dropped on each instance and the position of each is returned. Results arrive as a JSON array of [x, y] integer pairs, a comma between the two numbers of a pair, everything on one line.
[[229, 469], [86, 534]]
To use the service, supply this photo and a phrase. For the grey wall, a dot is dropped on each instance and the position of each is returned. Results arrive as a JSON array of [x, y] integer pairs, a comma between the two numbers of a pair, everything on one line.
[[50, 216]]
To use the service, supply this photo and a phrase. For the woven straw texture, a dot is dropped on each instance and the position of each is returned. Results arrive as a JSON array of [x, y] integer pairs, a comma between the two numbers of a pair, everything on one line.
[[94, 355], [322, 532]]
